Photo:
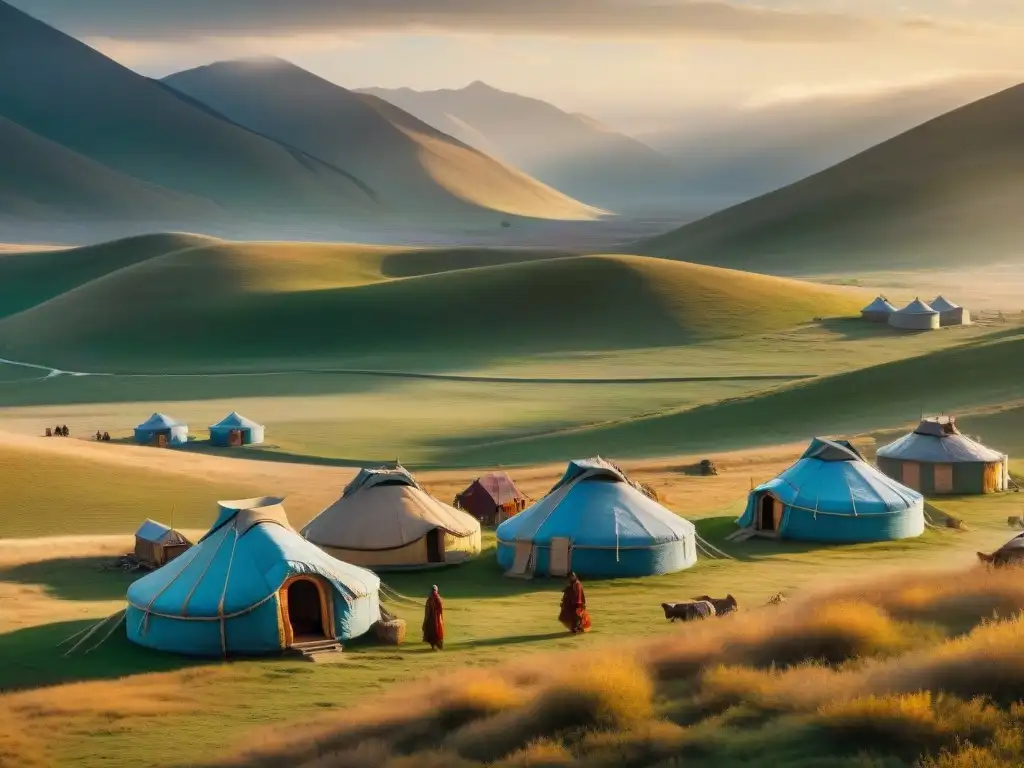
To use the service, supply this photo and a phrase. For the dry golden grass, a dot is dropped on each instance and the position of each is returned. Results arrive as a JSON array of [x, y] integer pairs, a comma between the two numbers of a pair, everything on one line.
[[864, 676]]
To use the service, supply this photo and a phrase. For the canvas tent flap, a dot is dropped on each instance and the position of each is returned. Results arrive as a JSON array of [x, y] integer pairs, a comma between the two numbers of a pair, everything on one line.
[[378, 515]]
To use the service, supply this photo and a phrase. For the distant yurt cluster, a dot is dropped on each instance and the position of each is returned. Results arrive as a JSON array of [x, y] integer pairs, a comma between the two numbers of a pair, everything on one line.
[[165, 431], [917, 315], [937, 459]]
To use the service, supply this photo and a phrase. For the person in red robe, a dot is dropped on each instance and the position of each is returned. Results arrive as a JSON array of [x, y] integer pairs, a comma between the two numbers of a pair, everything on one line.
[[574, 607], [433, 621]]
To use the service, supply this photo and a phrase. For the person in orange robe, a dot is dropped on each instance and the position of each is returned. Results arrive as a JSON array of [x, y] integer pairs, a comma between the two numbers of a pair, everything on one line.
[[433, 621], [574, 607]]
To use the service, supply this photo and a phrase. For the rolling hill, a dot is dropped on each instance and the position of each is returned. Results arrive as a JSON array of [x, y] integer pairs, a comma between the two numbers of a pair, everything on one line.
[[980, 373], [410, 166], [944, 193], [573, 153], [220, 305], [43, 181]]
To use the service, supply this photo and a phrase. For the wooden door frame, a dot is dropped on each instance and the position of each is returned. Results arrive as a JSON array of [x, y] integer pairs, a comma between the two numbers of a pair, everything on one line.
[[326, 608]]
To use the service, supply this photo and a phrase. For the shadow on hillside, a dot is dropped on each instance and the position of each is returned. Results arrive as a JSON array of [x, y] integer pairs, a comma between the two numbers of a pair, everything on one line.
[[272, 454], [516, 639], [855, 328], [73, 578], [34, 657]]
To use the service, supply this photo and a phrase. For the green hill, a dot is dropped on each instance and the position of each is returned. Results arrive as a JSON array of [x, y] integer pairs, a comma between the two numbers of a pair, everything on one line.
[[222, 305], [944, 193], [43, 181], [30, 278], [985, 372], [411, 166]]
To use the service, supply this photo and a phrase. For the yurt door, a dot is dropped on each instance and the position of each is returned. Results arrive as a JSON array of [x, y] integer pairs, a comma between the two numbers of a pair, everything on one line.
[[911, 475], [943, 478], [161, 440], [235, 438], [559, 560], [524, 560], [992, 474], [435, 546]]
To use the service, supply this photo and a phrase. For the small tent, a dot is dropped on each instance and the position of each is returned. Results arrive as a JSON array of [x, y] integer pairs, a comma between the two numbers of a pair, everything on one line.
[[596, 522], [950, 313], [831, 495], [937, 459], [156, 544], [878, 311], [492, 499], [384, 520], [916, 316], [160, 429], [251, 585], [234, 430]]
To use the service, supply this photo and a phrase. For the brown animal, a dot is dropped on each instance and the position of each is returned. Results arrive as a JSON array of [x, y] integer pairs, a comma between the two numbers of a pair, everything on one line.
[[1011, 553], [723, 606], [695, 611]]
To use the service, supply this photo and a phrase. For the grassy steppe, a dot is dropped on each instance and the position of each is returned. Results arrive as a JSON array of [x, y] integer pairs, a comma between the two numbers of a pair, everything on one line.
[[315, 303]]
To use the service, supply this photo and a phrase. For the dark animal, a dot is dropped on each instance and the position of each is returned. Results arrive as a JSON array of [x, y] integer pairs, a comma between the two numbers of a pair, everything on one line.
[[1011, 553], [723, 605], [693, 611]]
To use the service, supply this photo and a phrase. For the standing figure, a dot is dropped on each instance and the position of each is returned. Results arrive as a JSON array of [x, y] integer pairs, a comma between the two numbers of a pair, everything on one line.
[[574, 607], [433, 621]]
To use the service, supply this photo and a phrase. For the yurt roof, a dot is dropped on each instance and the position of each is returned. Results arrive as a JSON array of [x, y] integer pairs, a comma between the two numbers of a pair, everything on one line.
[[596, 507], [499, 486], [235, 420], [942, 304], [879, 305], [838, 482], [159, 421], [938, 441], [385, 509], [158, 533], [917, 307], [241, 563]]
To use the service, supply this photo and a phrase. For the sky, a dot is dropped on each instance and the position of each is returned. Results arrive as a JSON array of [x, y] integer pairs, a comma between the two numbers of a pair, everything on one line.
[[637, 64]]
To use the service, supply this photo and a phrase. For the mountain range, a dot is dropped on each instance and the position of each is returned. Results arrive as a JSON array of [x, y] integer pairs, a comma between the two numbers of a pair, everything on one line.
[[947, 192], [91, 124], [572, 152]]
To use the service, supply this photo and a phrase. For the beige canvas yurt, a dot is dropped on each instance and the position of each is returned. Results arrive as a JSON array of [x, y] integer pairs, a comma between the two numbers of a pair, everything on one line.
[[916, 316], [384, 520], [950, 313], [878, 311]]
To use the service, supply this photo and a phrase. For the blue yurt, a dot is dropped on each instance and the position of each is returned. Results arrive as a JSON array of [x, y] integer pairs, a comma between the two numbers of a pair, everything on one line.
[[831, 495], [252, 585], [595, 522], [235, 429], [161, 429]]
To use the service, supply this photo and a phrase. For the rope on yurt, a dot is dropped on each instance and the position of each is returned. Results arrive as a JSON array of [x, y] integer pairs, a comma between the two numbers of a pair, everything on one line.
[[223, 596], [188, 597], [717, 552], [394, 596], [90, 631], [110, 631], [144, 621]]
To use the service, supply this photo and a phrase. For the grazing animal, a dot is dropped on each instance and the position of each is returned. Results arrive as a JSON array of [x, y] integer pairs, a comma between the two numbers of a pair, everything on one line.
[[693, 611], [723, 605], [777, 599], [1011, 553]]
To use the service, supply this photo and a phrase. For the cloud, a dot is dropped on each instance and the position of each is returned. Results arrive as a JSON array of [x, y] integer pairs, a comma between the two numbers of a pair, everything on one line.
[[183, 19]]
